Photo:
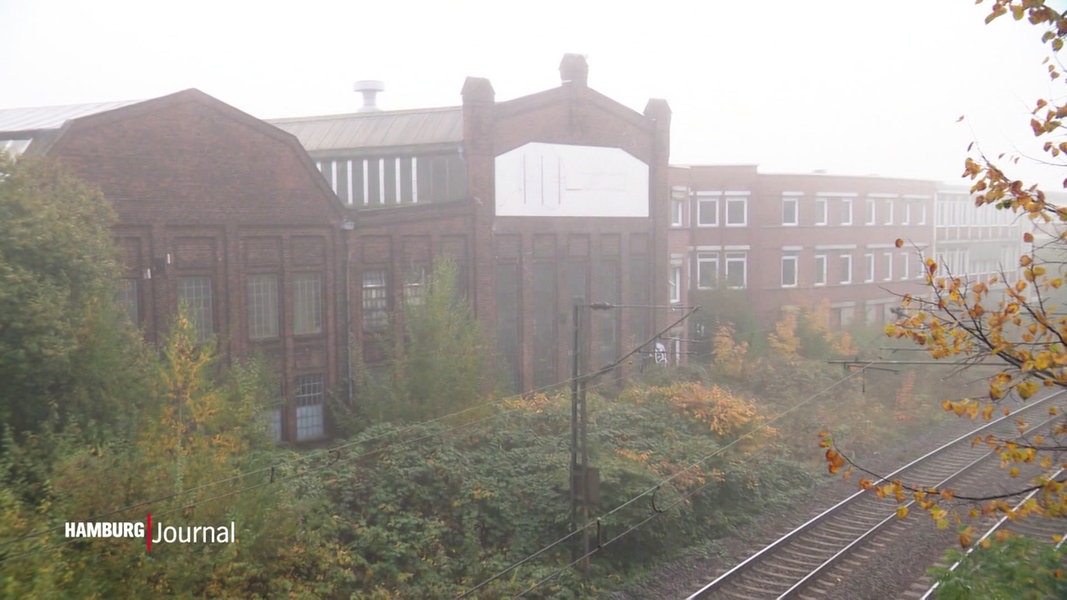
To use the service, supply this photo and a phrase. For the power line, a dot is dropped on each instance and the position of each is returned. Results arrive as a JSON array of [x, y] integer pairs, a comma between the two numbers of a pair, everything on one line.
[[654, 489]]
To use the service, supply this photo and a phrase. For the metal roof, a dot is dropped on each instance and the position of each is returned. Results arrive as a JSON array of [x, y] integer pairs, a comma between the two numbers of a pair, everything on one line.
[[376, 129], [50, 117]]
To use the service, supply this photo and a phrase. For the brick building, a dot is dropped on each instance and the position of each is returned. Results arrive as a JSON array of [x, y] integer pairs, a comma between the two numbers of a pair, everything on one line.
[[789, 240], [304, 239], [540, 199], [219, 211]]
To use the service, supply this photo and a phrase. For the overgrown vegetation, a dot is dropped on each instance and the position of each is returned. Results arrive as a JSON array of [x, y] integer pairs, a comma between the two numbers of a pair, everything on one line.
[[438, 488]]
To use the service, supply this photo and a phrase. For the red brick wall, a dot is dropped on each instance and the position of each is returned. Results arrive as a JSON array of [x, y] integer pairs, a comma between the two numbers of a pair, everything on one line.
[[203, 189]]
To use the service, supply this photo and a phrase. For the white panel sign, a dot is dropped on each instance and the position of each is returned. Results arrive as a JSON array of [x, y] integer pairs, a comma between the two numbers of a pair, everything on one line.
[[558, 180]]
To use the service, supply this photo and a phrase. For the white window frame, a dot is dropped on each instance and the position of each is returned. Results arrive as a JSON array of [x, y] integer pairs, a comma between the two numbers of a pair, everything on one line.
[[821, 211], [736, 257], [868, 267], [846, 211], [707, 206], [845, 258], [904, 262], [734, 200], [889, 212], [676, 283], [790, 260], [871, 218], [820, 269], [679, 196], [790, 203], [888, 267], [704, 258]]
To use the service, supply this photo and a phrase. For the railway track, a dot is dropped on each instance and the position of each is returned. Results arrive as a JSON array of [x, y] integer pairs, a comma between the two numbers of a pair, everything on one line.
[[829, 555]]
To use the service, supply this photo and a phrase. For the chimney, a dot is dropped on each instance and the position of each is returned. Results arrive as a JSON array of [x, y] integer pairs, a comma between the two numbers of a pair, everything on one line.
[[369, 88], [574, 69]]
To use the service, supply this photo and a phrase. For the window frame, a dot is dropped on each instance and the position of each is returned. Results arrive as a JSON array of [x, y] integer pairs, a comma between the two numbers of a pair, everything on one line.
[[846, 211], [675, 283], [704, 258], [205, 328], [795, 203], [263, 314], [793, 259], [842, 259], [703, 201], [310, 393], [375, 301], [822, 214], [307, 310], [820, 270], [736, 257], [733, 200]]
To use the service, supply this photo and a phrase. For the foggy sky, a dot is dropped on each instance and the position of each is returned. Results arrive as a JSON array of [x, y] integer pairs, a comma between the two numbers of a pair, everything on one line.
[[849, 87]]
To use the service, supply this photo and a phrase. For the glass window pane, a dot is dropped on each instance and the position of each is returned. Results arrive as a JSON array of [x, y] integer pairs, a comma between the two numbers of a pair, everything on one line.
[[262, 306], [307, 303], [194, 296]]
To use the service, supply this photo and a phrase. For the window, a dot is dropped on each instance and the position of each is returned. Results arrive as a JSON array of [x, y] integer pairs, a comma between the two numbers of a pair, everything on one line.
[[904, 265], [846, 315], [888, 212], [820, 211], [820, 269], [922, 214], [676, 284], [415, 286], [375, 302], [262, 306], [789, 211], [872, 212], [736, 269], [310, 397], [678, 197], [868, 267], [275, 425], [846, 211], [736, 212], [307, 303], [846, 269], [888, 275], [907, 214], [789, 271], [707, 270], [194, 296], [126, 299], [707, 211]]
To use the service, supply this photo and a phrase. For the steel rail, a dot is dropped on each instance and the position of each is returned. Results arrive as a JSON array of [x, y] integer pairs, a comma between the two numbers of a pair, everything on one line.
[[760, 556]]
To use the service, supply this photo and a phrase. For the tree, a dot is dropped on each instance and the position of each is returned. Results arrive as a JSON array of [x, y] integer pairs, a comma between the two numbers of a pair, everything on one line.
[[438, 362], [1017, 323], [62, 350]]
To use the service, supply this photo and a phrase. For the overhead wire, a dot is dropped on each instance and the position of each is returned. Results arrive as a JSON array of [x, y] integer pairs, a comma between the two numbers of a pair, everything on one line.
[[656, 487], [335, 451]]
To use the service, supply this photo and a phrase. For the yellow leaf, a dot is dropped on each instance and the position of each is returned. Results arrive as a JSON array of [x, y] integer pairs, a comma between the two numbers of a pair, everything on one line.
[[902, 511]]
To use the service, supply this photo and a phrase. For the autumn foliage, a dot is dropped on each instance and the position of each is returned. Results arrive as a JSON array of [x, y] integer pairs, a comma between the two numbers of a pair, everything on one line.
[[1015, 319]]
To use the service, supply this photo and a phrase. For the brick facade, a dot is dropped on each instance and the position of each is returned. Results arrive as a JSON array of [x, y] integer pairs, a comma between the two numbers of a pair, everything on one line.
[[210, 200]]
